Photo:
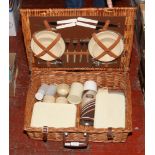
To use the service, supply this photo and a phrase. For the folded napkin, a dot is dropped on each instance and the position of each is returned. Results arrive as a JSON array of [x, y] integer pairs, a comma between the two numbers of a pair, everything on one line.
[[53, 115], [109, 109]]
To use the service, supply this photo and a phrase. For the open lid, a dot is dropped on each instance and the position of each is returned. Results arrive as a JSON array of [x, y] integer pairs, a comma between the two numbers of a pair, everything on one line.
[[81, 43]]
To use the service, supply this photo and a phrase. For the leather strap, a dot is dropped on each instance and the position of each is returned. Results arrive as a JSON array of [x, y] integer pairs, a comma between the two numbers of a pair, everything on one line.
[[45, 133], [47, 26], [105, 27], [46, 50], [109, 134], [105, 49]]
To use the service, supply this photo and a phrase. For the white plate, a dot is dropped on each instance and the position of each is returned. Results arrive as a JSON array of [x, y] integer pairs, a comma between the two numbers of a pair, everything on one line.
[[107, 38], [45, 38]]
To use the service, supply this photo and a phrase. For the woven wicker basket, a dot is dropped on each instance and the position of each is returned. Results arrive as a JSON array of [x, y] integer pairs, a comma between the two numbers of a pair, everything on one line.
[[115, 77]]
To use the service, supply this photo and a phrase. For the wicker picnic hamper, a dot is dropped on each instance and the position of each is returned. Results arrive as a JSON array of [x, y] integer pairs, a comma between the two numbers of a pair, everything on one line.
[[114, 76]]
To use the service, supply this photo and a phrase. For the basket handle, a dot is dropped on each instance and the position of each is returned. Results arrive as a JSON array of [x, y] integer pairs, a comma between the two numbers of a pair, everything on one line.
[[75, 144]]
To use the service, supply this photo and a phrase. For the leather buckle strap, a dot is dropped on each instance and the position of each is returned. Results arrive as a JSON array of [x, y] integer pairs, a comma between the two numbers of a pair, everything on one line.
[[106, 50], [46, 50], [109, 134], [45, 133]]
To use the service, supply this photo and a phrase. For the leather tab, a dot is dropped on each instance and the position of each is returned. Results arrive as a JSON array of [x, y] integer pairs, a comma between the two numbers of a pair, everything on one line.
[[109, 134], [105, 27], [45, 133], [47, 26]]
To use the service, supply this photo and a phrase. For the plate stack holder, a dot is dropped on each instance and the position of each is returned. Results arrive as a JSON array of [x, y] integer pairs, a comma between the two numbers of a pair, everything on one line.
[[115, 78]]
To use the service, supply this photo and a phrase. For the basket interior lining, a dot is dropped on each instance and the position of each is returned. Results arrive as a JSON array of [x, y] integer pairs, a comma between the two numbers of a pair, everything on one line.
[[77, 33]]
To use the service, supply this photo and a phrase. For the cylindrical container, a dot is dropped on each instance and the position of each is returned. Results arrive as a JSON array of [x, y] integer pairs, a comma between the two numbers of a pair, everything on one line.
[[88, 96], [75, 94], [51, 91], [61, 99], [49, 99], [88, 103], [87, 114], [41, 91], [90, 90], [63, 89]]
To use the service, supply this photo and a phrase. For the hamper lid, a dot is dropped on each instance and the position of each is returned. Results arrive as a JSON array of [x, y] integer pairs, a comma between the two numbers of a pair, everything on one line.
[[121, 20]]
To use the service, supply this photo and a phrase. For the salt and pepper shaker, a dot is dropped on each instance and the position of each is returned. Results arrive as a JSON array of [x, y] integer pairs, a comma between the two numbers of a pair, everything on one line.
[[75, 93], [51, 91], [41, 92], [63, 89], [49, 99], [61, 99]]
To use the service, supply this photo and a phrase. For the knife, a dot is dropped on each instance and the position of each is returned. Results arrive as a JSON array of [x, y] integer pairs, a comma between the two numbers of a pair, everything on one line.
[[65, 25], [97, 27], [63, 21], [87, 20]]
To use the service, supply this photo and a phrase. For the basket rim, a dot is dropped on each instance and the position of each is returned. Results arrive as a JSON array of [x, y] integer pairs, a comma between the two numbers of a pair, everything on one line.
[[127, 91]]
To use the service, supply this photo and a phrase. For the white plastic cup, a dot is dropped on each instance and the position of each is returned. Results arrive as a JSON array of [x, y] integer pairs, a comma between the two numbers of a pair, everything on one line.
[[41, 91], [90, 85], [63, 89], [61, 99], [51, 91], [75, 94], [49, 99]]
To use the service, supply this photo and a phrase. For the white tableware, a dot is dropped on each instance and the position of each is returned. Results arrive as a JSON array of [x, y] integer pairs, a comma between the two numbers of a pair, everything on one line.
[[63, 89], [75, 93], [49, 99], [41, 91], [61, 99], [107, 38], [46, 38], [51, 91]]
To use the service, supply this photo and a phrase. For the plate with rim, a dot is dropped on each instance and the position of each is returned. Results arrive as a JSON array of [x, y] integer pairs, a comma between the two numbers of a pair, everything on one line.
[[107, 38], [45, 38]]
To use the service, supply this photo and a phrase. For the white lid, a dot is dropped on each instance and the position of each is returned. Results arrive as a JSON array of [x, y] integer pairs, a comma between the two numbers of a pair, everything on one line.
[[90, 85]]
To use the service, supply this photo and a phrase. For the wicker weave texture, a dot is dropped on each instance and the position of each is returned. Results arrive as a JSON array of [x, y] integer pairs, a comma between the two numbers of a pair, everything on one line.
[[128, 13], [111, 80]]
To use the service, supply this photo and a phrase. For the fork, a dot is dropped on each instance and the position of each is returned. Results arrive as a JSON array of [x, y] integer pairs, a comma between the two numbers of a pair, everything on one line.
[[67, 42], [74, 42], [81, 46], [86, 41]]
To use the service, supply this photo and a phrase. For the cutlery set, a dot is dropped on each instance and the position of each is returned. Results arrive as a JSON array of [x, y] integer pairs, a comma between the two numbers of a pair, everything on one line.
[[80, 21], [75, 47]]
